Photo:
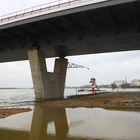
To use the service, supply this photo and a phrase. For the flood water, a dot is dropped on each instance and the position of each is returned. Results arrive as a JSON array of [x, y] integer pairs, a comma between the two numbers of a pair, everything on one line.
[[66, 123]]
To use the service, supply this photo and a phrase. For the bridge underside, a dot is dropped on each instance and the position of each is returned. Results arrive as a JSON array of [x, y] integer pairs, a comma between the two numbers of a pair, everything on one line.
[[98, 30]]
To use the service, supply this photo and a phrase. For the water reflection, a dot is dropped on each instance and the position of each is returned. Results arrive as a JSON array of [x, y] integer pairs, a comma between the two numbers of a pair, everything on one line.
[[42, 120], [41, 128], [74, 124]]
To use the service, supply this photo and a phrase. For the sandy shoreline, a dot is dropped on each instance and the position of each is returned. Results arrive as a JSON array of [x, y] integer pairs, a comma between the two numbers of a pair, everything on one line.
[[11, 111], [124, 100], [116, 101]]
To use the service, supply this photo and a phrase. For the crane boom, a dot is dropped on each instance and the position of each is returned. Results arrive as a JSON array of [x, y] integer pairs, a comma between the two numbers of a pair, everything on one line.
[[73, 65]]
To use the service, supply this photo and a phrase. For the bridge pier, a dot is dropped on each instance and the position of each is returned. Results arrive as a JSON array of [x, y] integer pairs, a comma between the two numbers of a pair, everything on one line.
[[47, 85]]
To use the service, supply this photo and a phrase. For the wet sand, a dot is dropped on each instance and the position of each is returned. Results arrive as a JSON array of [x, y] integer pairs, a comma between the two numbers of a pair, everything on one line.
[[121, 101], [116, 101], [11, 111]]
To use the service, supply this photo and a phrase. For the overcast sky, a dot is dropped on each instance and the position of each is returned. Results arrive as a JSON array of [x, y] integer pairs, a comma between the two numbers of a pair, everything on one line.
[[106, 68]]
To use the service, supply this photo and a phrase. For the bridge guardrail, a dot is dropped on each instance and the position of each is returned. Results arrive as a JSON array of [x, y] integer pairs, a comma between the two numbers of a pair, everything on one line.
[[38, 9]]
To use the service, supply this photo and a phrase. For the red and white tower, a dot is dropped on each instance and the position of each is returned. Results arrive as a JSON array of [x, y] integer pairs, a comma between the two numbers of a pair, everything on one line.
[[92, 81]]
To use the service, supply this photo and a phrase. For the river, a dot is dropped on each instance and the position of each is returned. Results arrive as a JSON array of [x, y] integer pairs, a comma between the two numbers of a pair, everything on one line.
[[66, 123]]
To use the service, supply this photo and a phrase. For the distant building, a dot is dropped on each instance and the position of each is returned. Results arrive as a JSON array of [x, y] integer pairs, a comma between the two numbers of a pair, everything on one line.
[[119, 83], [135, 82]]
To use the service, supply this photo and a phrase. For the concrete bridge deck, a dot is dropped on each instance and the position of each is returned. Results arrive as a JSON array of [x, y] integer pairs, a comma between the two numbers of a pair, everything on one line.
[[78, 27]]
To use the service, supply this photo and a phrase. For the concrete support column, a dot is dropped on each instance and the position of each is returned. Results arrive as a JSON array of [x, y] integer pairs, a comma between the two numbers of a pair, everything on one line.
[[47, 85], [38, 70], [60, 70]]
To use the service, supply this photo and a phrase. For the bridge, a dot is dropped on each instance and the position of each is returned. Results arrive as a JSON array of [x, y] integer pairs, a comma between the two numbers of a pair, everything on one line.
[[65, 28]]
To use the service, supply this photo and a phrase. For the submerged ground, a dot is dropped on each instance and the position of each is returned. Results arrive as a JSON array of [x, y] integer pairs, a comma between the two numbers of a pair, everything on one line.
[[116, 101]]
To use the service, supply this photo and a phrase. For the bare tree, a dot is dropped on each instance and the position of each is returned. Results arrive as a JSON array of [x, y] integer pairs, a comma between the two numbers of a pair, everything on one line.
[[113, 86]]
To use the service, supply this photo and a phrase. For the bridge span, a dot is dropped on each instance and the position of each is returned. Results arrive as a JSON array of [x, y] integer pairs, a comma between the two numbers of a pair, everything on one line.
[[65, 28]]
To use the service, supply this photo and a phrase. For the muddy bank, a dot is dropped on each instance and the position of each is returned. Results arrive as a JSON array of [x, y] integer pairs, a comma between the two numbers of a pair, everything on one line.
[[122, 100], [11, 111], [116, 101]]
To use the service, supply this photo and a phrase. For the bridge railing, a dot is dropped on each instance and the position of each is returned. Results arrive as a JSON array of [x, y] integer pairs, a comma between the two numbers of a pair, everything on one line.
[[37, 9]]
